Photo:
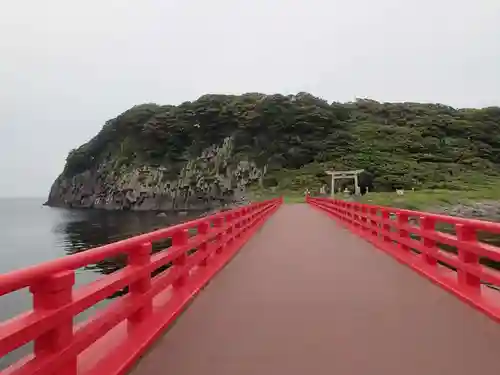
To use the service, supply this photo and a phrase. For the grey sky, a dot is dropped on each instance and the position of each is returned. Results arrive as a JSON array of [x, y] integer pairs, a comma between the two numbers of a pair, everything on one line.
[[66, 66]]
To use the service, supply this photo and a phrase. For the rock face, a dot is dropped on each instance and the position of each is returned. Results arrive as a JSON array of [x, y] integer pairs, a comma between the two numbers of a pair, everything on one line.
[[488, 210], [213, 179]]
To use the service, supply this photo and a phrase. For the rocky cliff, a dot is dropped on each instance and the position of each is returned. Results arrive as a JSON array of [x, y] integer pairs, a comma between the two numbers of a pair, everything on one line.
[[213, 179]]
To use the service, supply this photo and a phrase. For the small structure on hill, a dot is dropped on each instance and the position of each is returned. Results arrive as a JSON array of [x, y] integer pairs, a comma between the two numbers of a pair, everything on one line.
[[337, 175]]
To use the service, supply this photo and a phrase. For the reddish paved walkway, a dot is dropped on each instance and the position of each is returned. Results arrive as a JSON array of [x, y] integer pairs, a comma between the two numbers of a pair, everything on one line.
[[305, 296]]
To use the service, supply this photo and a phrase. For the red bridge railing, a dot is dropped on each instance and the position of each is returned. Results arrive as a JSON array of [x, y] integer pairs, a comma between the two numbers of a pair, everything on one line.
[[112, 340], [450, 251]]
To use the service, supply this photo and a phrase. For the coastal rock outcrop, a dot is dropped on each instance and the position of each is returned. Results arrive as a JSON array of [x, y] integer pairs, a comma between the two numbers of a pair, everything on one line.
[[213, 179]]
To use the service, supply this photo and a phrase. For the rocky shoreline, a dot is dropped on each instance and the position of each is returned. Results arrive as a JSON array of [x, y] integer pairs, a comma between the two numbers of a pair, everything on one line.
[[487, 210]]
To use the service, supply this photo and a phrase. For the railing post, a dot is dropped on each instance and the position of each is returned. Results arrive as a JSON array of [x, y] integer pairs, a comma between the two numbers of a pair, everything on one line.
[[139, 258], [402, 220], [51, 293], [229, 231], [244, 220], [253, 213], [373, 222], [427, 227], [218, 223], [237, 224], [340, 211], [467, 234], [356, 216], [180, 238], [364, 221], [267, 209], [346, 213], [387, 228], [202, 230]]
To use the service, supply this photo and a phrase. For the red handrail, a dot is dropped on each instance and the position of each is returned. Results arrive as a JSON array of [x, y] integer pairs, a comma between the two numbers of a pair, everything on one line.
[[111, 340], [454, 261]]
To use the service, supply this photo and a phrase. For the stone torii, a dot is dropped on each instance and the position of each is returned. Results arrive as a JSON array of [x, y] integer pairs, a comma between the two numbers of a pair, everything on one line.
[[337, 175]]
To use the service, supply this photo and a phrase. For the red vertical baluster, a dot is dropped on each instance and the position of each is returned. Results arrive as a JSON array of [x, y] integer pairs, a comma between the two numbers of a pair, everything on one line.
[[202, 230], [361, 218], [367, 224], [138, 258], [373, 221], [237, 224], [251, 214], [387, 228], [180, 239], [218, 223], [258, 212], [229, 231], [467, 234], [427, 227], [245, 218], [356, 216], [51, 293], [402, 220]]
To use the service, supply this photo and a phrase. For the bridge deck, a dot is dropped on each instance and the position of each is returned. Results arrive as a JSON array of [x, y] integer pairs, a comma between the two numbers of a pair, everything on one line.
[[306, 296]]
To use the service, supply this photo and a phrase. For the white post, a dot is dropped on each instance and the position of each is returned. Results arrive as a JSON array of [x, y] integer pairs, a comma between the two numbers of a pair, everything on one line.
[[356, 186], [332, 192]]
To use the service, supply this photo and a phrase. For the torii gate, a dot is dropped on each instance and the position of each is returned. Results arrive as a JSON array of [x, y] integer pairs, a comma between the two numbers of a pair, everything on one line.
[[337, 175]]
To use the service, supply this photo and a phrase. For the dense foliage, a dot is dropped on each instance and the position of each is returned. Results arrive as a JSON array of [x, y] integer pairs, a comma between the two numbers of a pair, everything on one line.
[[299, 136]]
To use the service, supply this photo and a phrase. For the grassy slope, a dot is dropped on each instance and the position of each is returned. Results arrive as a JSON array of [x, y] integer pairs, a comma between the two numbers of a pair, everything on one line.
[[426, 199], [435, 198]]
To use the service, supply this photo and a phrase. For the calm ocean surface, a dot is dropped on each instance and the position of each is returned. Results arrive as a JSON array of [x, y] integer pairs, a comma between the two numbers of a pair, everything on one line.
[[31, 233]]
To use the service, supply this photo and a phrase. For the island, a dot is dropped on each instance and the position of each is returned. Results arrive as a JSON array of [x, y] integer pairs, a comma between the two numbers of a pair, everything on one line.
[[225, 149]]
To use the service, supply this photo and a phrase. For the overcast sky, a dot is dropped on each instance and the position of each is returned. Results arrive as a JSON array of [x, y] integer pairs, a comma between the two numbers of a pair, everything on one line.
[[67, 66]]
